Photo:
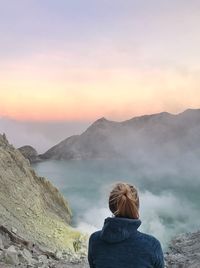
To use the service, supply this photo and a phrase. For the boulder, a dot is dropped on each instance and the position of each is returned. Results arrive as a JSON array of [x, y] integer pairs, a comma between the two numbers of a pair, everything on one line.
[[10, 256]]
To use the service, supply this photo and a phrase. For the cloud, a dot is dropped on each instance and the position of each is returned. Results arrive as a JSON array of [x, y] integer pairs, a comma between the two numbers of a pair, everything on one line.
[[40, 135]]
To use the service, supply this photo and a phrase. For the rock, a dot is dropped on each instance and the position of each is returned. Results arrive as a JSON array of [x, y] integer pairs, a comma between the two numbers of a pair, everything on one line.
[[14, 230], [30, 255], [11, 256], [26, 256], [43, 259], [1, 255], [184, 251], [1, 244], [59, 255], [11, 249], [30, 153]]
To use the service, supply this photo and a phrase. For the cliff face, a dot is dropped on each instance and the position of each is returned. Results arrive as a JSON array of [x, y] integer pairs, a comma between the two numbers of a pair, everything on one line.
[[31, 204]]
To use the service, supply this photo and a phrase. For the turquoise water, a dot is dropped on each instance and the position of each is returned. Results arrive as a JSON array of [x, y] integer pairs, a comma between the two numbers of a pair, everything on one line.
[[169, 200]]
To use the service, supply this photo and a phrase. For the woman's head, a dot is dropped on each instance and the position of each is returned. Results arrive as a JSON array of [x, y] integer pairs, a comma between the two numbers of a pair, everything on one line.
[[124, 201]]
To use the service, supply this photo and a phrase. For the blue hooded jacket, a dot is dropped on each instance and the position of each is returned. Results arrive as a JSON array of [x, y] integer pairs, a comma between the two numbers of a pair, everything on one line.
[[120, 245]]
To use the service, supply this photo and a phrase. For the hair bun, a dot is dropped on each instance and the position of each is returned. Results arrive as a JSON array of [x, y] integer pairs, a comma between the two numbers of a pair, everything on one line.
[[125, 191], [124, 201]]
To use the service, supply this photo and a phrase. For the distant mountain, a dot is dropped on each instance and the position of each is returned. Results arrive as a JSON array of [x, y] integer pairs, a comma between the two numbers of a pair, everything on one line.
[[161, 136], [30, 153]]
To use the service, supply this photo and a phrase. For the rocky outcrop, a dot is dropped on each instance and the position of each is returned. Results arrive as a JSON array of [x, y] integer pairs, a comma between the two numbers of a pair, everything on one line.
[[31, 206], [15, 251], [30, 153], [184, 251], [163, 136]]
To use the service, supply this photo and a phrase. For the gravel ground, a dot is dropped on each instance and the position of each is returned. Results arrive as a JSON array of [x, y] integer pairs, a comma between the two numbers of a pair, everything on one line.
[[60, 265]]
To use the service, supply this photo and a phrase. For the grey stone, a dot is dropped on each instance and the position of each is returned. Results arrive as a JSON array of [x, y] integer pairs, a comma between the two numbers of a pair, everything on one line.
[[1, 254], [26, 256], [184, 251], [11, 256], [1, 244], [43, 259], [59, 254], [13, 229]]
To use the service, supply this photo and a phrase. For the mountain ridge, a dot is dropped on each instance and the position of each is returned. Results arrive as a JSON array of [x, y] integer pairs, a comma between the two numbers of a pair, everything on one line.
[[109, 139]]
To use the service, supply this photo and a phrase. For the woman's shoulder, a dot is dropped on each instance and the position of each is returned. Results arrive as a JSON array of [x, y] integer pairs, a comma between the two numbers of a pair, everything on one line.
[[94, 238], [146, 238], [95, 235], [149, 240]]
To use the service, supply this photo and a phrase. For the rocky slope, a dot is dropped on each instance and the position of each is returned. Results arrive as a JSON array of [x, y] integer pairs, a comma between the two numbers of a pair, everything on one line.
[[31, 207], [15, 251], [184, 251], [165, 136]]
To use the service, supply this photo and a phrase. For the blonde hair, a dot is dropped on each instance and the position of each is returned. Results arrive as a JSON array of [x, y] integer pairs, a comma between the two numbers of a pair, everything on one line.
[[124, 201]]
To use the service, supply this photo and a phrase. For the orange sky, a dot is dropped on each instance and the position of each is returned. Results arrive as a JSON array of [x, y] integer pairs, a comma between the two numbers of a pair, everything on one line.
[[29, 92]]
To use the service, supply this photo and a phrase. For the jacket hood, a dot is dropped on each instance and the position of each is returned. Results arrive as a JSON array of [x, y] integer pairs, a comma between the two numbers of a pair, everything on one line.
[[118, 229]]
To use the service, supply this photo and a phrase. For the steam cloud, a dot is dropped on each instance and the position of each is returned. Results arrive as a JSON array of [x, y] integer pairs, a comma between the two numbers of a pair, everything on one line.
[[40, 135], [163, 216]]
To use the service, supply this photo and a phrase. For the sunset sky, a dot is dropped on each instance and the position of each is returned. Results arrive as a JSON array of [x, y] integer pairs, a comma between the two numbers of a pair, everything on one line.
[[80, 60]]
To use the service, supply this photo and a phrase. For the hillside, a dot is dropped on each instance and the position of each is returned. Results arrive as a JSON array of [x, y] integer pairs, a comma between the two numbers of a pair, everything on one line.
[[31, 205]]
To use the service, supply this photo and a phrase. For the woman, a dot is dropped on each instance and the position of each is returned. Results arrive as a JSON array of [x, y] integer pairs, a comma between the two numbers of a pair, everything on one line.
[[119, 244]]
